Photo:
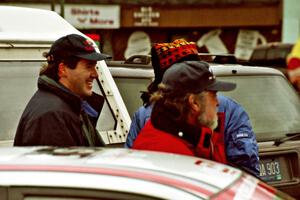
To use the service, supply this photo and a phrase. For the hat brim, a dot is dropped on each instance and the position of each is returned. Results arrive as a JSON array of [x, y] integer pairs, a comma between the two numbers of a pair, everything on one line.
[[221, 86], [95, 56]]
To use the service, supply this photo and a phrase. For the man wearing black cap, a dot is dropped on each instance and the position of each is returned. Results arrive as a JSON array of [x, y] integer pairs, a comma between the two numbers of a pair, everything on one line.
[[185, 113], [233, 121], [64, 110]]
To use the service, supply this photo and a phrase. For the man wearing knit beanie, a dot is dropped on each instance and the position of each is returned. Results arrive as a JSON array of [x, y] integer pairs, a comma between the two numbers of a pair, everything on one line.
[[163, 55], [239, 131]]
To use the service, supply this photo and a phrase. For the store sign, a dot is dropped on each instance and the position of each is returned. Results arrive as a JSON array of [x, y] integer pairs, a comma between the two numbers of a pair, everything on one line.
[[93, 16], [145, 17]]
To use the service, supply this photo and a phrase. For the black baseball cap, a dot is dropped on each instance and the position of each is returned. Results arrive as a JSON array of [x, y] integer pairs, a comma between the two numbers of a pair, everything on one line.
[[74, 45], [193, 77]]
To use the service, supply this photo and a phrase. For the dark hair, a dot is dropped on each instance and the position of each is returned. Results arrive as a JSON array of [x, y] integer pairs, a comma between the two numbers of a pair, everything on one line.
[[153, 86], [50, 68], [177, 105]]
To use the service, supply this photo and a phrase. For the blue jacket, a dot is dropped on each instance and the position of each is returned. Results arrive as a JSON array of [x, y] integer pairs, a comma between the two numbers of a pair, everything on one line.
[[240, 141]]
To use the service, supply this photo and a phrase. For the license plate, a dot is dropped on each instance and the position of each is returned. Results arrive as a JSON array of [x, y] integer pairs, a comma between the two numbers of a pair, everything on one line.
[[270, 170]]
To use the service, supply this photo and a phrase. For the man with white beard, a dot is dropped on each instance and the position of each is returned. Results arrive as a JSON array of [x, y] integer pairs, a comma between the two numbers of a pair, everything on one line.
[[185, 113], [234, 124]]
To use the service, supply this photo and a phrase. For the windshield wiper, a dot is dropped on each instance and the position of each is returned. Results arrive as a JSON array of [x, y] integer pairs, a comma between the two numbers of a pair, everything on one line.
[[288, 136]]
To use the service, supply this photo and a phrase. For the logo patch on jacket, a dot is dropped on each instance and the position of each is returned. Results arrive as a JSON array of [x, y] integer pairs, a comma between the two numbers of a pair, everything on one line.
[[242, 135]]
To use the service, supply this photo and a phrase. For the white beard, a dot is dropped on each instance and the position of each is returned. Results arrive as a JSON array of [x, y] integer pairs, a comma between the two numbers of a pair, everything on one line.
[[213, 124]]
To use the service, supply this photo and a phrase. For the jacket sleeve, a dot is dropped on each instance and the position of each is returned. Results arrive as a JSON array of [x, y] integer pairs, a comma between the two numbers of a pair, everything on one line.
[[293, 63], [240, 141], [52, 128], [140, 117]]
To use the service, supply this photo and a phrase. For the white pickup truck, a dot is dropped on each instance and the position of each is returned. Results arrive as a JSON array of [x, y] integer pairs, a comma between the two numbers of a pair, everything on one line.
[[24, 36]]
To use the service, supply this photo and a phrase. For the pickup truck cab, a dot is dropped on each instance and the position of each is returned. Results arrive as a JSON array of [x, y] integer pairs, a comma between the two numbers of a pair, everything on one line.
[[21, 49]]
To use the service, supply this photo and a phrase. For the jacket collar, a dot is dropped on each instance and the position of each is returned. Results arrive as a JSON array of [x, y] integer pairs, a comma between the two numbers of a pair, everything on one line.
[[48, 84], [95, 101], [165, 120]]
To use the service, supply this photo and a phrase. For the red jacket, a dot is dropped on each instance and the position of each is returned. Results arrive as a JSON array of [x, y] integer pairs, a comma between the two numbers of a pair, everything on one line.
[[153, 139]]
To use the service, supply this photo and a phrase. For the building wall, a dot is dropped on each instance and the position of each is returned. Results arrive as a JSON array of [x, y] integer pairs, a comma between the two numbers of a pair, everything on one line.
[[192, 23], [291, 21], [189, 22]]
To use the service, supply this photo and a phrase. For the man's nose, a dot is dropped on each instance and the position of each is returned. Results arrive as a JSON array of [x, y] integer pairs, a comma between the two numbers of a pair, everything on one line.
[[94, 73]]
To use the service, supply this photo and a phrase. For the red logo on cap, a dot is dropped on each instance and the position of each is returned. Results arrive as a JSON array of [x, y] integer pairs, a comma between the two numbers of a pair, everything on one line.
[[88, 45]]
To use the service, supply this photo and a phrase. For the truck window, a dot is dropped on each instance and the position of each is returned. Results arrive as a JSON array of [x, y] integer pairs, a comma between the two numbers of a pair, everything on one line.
[[18, 82]]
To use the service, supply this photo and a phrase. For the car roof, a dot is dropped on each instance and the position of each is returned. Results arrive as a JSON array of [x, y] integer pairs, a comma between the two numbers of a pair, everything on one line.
[[92, 160], [120, 69], [229, 69], [37, 30], [28, 38]]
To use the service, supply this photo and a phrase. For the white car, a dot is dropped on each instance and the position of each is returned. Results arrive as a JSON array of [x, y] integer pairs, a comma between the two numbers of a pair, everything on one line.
[[271, 102], [49, 173]]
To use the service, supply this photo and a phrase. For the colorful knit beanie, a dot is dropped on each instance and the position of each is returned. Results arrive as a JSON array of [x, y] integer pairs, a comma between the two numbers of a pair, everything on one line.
[[166, 54]]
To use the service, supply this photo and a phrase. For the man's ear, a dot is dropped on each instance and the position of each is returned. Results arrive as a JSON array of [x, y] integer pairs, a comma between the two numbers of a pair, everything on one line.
[[61, 70], [194, 103]]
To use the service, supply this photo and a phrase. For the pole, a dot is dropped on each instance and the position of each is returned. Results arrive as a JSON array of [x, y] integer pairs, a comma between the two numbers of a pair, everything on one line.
[[53, 5], [62, 8]]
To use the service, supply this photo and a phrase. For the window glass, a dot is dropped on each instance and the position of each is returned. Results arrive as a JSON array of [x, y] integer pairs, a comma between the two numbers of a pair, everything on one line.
[[3, 193], [18, 82], [106, 119], [271, 102], [114, 196], [51, 193], [130, 90], [258, 54]]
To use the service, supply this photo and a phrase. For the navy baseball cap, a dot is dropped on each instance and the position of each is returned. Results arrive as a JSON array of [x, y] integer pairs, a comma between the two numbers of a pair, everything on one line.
[[74, 45], [193, 77]]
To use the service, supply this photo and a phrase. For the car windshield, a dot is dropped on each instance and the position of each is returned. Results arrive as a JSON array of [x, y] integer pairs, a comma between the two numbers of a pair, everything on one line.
[[271, 102]]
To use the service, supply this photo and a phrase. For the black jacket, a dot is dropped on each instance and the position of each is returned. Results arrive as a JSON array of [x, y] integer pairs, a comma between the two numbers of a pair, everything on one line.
[[54, 117]]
